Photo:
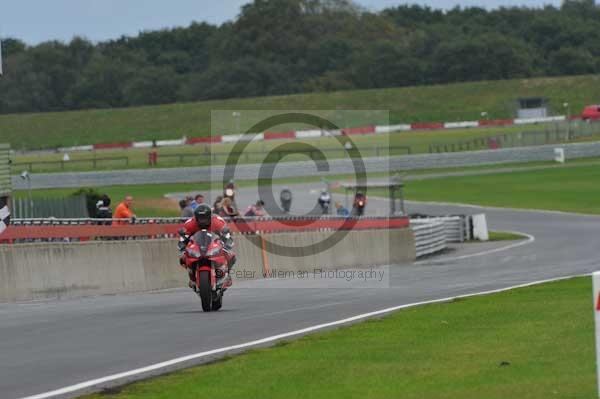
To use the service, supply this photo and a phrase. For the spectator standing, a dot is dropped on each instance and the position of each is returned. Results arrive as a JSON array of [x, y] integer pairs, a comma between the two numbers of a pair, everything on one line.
[[256, 210], [186, 210], [217, 205], [227, 208], [103, 210], [341, 211], [124, 211], [199, 199]]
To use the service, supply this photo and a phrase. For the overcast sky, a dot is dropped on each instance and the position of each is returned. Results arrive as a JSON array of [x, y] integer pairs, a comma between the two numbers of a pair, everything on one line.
[[35, 21]]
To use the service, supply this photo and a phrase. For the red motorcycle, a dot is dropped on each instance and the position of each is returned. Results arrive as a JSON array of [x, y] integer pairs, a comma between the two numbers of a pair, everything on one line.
[[360, 203], [205, 258]]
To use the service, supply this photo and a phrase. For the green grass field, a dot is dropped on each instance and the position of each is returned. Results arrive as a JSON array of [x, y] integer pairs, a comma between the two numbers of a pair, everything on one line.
[[202, 155], [569, 188], [535, 342], [572, 189], [454, 102], [505, 236]]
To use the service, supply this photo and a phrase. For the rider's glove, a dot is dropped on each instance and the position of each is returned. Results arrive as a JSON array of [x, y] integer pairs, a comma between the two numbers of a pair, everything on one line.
[[227, 239]]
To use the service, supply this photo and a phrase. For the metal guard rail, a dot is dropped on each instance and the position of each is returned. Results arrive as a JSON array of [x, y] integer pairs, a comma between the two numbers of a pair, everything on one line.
[[432, 234], [430, 238], [34, 230], [455, 227]]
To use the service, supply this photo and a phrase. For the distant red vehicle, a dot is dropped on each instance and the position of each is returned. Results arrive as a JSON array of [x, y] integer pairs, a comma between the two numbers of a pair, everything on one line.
[[591, 112]]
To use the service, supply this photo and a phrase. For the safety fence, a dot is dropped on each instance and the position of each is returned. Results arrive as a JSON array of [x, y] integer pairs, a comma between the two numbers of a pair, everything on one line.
[[430, 238], [93, 163], [61, 230], [563, 132], [39, 207], [432, 234]]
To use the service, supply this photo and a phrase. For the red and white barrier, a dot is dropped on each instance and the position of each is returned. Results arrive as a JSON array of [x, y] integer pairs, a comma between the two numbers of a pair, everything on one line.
[[204, 140], [461, 125], [143, 144], [548, 119], [170, 143], [308, 134], [317, 133], [279, 135], [392, 129]]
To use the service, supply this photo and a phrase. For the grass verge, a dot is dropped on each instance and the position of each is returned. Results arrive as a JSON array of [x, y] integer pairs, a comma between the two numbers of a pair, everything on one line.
[[569, 188], [572, 189], [380, 145], [505, 236], [535, 342], [446, 103]]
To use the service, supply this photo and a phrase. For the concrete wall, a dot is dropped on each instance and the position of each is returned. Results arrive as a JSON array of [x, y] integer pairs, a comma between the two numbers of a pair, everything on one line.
[[53, 270]]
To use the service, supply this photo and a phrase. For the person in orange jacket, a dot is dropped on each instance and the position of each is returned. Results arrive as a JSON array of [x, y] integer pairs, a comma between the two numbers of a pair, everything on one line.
[[124, 211]]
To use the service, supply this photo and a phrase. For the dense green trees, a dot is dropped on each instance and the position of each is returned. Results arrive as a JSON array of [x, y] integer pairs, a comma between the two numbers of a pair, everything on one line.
[[291, 46]]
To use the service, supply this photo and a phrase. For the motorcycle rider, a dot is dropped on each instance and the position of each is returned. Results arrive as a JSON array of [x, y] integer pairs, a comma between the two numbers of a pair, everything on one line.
[[286, 199], [205, 220], [325, 201], [360, 203]]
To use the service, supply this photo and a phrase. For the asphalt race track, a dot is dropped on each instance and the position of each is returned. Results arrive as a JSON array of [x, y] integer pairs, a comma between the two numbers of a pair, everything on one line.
[[49, 345]]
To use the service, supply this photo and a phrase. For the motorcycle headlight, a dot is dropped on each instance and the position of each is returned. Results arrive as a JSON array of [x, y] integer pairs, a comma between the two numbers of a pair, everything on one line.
[[193, 253], [213, 252]]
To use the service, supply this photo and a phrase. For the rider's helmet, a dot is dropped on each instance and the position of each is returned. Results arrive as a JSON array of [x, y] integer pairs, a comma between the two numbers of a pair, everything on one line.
[[203, 216]]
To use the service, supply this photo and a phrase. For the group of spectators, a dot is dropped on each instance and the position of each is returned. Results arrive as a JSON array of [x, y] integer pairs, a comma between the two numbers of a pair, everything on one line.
[[189, 204], [222, 206], [123, 212]]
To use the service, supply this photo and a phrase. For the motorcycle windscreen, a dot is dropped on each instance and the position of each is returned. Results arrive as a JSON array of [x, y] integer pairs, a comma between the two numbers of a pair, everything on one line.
[[203, 239]]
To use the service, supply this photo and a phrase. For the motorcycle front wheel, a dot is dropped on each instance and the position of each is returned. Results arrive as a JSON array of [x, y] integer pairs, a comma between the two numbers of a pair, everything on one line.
[[205, 291], [217, 303]]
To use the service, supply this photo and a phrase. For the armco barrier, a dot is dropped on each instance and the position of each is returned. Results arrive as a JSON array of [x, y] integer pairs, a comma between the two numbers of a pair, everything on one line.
[[430, 238], [66, 270], [432, 234], [456, 228]]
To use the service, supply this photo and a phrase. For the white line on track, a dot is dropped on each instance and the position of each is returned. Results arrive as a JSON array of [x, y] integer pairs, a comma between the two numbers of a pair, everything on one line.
[[158, 366], [530, 239], [501, 208]]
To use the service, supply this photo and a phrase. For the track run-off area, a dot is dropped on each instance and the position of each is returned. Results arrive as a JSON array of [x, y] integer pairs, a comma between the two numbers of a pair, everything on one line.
[[67, 348]]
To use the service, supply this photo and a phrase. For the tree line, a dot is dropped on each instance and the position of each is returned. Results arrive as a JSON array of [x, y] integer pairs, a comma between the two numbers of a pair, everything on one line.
[[291, 46]]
